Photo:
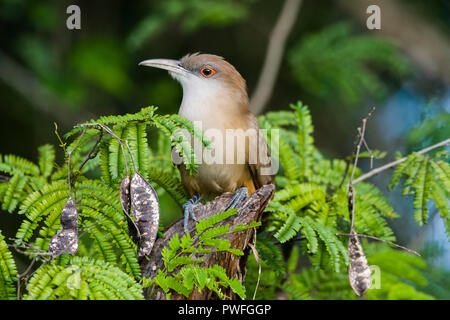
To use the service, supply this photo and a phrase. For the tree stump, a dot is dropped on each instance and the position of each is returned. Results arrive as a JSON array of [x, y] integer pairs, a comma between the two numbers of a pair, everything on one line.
[[250, 209]]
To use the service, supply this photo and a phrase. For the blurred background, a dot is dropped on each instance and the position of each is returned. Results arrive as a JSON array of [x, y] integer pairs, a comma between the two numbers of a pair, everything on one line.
[[328, 59]]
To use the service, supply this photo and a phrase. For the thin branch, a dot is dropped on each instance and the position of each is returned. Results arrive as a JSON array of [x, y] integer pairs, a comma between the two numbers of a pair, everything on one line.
[[397, 162], [368, 150], [274, 54], [255, 253], [351, 191], [119, 140], [361, 236], [378, 239], [23, 274], [91, 154]]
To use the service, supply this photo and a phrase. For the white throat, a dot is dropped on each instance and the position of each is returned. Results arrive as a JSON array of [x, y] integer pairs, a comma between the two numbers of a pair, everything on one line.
[[204, 100]]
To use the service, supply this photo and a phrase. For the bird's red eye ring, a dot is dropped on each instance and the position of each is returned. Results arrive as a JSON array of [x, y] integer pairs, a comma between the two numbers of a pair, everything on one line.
[[207, 72]]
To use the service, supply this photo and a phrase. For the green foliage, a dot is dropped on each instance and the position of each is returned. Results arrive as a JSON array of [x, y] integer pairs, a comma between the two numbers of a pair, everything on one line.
[[8, 272], [431, 130], [40, 191], [400, 274], [25, 176], [310, 206], [427, 179], [100, 215], [311, 201], [111, 77], [133, 128], [401, 277], [81, 279], [182, 273], [337, 65], [190, 14]]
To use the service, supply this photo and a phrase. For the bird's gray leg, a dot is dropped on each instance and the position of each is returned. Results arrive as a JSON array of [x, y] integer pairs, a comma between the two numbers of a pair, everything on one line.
[[240, 194], [188, 209]]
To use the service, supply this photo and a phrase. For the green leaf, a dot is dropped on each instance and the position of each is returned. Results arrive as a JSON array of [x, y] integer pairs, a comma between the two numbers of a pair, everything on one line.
[[8, 272], [46, 159]]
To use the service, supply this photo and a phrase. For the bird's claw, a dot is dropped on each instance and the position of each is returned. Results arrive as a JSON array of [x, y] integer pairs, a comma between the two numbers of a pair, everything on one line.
[[188, 209], [240, 194]]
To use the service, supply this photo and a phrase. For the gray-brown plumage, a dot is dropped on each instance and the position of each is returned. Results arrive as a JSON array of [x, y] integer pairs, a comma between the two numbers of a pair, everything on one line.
[[215, 97]]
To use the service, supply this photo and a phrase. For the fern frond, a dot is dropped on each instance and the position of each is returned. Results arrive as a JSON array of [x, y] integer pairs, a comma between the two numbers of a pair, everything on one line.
[[398, 271], [120, 120], [305, 138], [137, 140], [295, 290], [8, 272], [277, 119], [104, 163], [427, 179], [14, 192], [289, 229], [169, 182], [333, 64], [116, 160], [12, 164], [46, 159], [204, 224], [82, 278], [289, 159], [97, 205]]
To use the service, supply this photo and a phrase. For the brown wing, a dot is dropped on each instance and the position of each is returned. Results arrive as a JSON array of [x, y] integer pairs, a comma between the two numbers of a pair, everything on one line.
[[261, 171]]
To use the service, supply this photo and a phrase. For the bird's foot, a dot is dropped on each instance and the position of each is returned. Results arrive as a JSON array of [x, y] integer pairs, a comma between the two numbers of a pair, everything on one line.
[[188, 209], [240, 194]]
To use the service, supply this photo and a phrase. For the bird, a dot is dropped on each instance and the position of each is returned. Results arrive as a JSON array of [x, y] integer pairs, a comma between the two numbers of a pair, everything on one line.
[[215, 97]]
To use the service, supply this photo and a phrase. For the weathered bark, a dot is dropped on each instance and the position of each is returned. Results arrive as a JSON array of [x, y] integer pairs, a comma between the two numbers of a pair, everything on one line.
[[249, 210]]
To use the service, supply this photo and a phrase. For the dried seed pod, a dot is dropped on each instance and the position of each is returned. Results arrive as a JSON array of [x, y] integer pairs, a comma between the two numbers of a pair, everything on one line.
[[133, 231], [66, 241], [359, 273], [145, 208], [125, 194]]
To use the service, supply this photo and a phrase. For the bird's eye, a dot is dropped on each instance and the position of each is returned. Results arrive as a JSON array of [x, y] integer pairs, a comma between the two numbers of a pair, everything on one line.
[[207, 72]]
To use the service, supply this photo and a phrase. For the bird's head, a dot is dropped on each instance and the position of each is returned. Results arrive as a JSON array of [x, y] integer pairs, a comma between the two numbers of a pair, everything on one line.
[[205, 77]]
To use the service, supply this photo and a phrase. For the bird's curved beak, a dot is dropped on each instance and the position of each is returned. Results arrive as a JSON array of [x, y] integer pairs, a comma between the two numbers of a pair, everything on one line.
[[166, 64]]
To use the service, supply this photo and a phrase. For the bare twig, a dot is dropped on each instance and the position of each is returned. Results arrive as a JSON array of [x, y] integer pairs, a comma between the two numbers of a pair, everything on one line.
[[255, 253], [351, 192], [378, 239], [119, 140], [25, 246], [22, 250], [359, 274], [361, 236], [397, 162], [23, 274], [274, 55]]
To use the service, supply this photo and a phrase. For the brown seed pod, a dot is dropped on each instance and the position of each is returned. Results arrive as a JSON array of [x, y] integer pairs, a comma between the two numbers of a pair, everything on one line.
[[359, 273], [66, 241], [145, 208], [133, 230], [125, 194]]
